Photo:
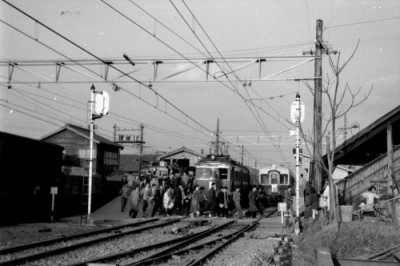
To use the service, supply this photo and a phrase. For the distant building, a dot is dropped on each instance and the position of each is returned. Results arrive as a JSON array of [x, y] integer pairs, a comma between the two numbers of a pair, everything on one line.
[[75, 166], [181, 160], [176, 161]]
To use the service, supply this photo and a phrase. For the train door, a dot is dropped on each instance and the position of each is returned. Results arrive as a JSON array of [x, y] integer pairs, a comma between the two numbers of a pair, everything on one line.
[[274, 179]]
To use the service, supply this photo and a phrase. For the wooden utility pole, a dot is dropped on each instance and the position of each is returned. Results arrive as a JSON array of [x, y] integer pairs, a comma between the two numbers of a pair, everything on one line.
[[317, 148], [317, 124]]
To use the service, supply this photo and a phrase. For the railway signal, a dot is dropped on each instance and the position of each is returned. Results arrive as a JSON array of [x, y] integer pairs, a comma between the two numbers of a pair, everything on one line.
[[99, 106], [297, 116]]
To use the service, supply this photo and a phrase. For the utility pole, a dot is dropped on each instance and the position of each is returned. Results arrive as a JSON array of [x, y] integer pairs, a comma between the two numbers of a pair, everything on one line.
[[317, 124], [317, 148]]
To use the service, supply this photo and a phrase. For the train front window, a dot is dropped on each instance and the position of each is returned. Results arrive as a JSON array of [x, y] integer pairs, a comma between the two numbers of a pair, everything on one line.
[[264, 180], [203, 173], [274, 178], [284, 180], [223, 173]]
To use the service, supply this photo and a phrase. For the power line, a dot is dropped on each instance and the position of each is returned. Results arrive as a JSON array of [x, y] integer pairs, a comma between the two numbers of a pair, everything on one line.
[[361, 22], [106, 63], [259, 119]]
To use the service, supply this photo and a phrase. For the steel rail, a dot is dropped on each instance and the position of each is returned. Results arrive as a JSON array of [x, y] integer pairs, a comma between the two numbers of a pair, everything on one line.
[[137, 250], [74, 236], [187, 250], [150, 258], [218, 248], [164, 255], [56, 251]]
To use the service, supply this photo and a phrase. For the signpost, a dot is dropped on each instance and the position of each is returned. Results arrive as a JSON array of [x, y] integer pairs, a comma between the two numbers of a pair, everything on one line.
[[54, 192], [99, 106], [297, 112]]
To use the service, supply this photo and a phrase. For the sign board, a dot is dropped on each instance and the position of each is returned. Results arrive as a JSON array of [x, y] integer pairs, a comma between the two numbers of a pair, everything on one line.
[[54, 190], [294, 113], [101, 103]]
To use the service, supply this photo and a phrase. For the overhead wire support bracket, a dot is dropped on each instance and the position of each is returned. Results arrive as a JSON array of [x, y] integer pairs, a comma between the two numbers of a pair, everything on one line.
[[156, 63], [259, 61], [207, 62], [106, 68], [58, 70], [11, 67]]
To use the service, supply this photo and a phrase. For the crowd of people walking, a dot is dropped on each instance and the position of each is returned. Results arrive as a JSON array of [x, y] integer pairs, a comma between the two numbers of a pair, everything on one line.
[[179, 195]]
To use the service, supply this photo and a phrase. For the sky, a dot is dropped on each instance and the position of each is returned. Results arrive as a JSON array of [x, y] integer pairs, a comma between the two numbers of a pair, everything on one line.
[[179, 102]]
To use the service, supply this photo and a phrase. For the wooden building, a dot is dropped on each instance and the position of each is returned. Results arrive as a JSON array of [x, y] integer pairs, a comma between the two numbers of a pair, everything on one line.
[[75, 167], [28, 170], [376, 151]]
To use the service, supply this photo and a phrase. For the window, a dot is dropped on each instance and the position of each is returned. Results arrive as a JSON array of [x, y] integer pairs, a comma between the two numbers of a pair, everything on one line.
[[264, 179], [110, 158], [203, 173], [274, 178], [223, 173], [284, 180]]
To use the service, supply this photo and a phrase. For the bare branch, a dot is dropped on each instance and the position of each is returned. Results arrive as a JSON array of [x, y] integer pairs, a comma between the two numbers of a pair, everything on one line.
[[309, 87], [348, 60]]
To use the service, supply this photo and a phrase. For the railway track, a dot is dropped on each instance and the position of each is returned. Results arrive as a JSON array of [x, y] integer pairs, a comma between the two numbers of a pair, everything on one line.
[[71, 237], [197, 252], [169, 246], [44, 249], [205, 238]]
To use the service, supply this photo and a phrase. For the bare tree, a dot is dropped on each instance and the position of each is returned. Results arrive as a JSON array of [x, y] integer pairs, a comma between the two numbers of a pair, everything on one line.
[[338, 107]]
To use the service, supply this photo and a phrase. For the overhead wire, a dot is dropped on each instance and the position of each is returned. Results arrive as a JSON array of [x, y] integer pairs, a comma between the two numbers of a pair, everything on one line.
[[87, 51], [118, 70], [166, 27], [361, 22], [204, 46], [116, 117], [260, 121], [183, 122], [125, 16]]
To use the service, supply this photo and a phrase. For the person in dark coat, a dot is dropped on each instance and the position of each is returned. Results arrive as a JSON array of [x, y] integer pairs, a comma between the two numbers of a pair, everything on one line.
[[252, 203], [186, 202], [178, 200], [223, 202], [156, 200], [195, 206], [260, 199], [211, 202]]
